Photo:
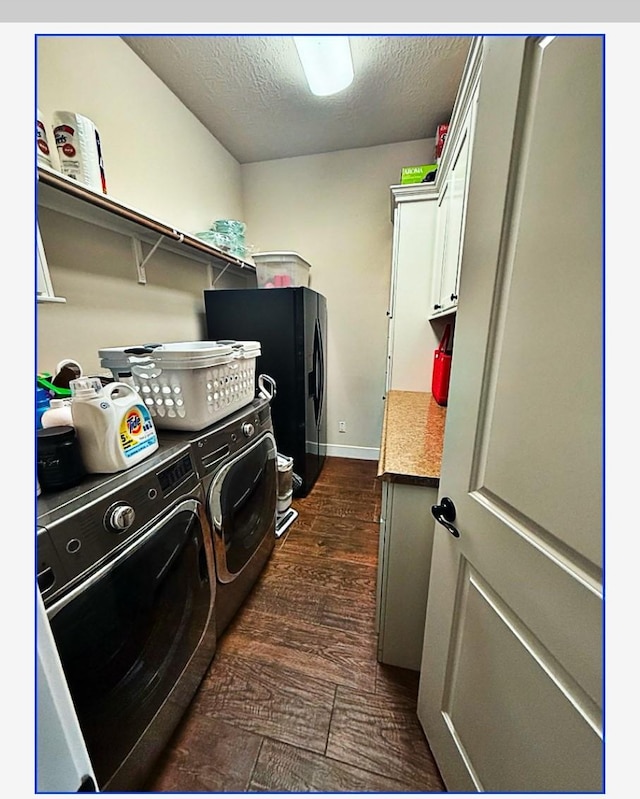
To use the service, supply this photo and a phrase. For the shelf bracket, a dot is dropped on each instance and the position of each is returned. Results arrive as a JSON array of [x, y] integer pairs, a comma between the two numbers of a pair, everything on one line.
[[139, 258], [213, 282]]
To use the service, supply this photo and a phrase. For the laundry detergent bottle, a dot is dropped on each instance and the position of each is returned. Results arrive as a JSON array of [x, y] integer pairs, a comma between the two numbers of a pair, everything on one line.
[[113, 425]]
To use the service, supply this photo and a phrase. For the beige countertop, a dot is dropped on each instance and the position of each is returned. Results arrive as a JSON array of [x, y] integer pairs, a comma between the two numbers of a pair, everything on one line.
[[412, 437]]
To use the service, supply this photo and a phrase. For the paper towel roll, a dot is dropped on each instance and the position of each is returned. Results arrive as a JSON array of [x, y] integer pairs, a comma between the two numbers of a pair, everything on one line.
[[78, 143], [43, 152]]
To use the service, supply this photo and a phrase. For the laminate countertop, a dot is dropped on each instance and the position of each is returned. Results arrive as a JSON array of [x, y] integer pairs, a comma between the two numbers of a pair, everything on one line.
[[412, 438]]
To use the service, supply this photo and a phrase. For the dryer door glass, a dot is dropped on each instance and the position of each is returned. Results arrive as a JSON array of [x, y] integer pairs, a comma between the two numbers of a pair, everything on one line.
[[127, 634], [243, 503]]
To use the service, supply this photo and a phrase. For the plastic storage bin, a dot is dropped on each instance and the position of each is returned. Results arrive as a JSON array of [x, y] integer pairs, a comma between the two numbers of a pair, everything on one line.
[[188, 385], [280, 270]]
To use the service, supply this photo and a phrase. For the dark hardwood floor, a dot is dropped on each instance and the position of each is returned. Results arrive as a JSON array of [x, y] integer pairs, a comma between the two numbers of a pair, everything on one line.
[[295, 700]]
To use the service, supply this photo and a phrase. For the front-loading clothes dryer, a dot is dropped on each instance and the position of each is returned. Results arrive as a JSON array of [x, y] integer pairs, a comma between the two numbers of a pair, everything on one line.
[[126, 573], [237, 463]]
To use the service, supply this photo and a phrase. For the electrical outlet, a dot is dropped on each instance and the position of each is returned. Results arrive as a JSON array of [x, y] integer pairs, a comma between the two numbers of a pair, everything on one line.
[[342, 427]]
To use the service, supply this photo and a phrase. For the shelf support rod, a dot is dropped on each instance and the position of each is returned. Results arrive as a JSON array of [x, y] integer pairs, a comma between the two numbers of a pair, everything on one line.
[[140, 260]]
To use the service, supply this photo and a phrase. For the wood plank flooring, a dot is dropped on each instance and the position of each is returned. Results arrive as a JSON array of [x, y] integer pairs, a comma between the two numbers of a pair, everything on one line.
[[295, 700]]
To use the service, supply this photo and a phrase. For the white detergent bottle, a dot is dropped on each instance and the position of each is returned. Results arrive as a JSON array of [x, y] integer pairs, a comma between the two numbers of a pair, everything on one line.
[[113, 425]]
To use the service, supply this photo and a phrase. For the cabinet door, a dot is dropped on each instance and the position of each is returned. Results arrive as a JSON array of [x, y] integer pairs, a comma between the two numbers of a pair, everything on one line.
[[392, 294], [383, 553], [452, 206], [440, 245], [410, 339], [403, 573], [456, 205]]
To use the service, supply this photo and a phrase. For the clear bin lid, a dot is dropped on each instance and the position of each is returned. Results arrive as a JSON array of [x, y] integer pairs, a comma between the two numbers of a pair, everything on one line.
[[280, 256]]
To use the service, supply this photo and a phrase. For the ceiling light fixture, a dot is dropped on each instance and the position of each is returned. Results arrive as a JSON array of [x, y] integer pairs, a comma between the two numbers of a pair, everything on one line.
[[326, 61]]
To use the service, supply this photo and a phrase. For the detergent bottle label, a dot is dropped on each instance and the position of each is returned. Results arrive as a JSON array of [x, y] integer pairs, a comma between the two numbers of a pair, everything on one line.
[[137, 431]]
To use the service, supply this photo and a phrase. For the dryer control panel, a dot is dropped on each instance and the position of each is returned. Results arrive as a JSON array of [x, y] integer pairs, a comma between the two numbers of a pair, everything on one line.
[[229, 436]]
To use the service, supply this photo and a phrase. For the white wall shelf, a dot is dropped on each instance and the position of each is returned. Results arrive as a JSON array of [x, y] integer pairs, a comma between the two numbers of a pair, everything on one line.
[[66, 196]]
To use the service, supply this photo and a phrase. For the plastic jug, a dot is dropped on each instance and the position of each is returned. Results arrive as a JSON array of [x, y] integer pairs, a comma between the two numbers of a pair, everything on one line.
[[58, 414], [114, 426]]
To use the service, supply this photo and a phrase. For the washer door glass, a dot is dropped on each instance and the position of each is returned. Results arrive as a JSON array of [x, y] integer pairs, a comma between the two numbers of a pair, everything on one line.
[[127, 634], [242, 505]]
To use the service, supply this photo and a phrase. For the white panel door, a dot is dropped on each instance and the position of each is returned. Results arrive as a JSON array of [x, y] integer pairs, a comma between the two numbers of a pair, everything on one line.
[[511, 676]]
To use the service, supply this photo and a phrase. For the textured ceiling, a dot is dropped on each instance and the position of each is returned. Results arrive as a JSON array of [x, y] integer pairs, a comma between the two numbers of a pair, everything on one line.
[[251, 94]]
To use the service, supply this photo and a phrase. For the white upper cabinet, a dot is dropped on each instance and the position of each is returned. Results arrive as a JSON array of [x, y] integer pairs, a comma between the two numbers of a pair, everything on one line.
[[410, 338], [453, 182]]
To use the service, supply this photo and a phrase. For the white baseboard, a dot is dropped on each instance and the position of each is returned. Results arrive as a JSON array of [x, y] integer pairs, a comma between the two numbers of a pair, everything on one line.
[[360, 453]]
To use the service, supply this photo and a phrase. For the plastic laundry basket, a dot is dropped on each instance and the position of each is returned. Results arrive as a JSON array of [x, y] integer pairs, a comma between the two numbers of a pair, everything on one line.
[[189, 385]]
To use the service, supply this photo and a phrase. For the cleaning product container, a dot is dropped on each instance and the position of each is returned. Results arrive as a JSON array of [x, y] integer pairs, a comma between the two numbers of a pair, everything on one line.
[[43, 403], [189, 385], [43, 152], [114, 426], [58, 414], [79, 149], [59, 462]]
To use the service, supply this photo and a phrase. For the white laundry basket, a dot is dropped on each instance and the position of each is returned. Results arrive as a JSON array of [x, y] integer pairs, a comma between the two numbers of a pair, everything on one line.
[[189, 385]]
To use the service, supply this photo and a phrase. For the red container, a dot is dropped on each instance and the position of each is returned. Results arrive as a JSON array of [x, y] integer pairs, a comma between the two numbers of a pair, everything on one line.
[[441, 369], [441, 135]]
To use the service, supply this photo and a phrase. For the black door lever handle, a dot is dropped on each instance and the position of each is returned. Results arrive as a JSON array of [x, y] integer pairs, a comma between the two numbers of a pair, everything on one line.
[[445, 514]]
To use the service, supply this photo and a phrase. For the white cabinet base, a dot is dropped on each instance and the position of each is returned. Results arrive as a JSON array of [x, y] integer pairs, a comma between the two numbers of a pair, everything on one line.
[[406, 539]]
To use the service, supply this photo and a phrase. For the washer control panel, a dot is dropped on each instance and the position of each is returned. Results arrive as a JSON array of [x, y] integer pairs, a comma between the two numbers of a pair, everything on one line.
[[101, 526]]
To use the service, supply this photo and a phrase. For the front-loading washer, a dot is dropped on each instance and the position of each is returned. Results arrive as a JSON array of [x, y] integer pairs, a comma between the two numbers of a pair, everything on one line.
[[237, 463], [126, 574]]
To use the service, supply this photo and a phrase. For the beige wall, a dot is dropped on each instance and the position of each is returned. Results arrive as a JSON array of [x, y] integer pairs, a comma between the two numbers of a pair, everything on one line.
[[334, 209], [158, 158], [94, 270]]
